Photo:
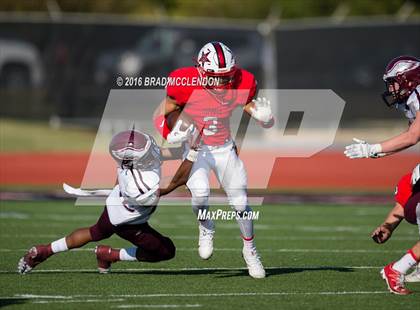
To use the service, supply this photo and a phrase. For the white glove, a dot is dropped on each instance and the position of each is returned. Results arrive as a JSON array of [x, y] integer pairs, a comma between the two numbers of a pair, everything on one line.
[[415, 176], [362, 149], [262, 110], [177, 135]]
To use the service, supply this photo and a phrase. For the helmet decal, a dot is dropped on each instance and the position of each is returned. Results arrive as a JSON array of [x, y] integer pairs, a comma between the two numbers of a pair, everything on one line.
[[220, 55], [204, 57]]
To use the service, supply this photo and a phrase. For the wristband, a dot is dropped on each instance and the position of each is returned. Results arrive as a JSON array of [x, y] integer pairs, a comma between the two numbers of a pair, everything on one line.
[[375, 151], [268, 124], [192, 155]]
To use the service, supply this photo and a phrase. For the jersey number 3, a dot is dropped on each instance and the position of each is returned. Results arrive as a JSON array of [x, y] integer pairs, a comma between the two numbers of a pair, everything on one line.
[[210, 125]]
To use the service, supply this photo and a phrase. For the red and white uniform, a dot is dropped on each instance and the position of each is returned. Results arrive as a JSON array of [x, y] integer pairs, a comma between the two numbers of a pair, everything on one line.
[[209, 111], [403, 190], [410, 200]]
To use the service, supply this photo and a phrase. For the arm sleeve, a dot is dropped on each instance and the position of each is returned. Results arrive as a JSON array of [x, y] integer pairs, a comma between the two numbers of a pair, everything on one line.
[[174, 90]]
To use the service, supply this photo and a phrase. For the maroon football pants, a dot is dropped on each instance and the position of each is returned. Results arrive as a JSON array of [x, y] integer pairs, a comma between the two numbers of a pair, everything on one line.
[[152, 246]]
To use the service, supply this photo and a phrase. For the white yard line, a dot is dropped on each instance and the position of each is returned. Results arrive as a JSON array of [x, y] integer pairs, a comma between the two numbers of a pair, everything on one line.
[[158, 306], [238, 249], [76, 298], [194, 237], [77, 301], [194, 269]]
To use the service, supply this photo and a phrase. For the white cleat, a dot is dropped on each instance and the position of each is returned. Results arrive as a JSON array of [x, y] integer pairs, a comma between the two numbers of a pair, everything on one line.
[[414, 276], [23, 266], [253, 262], [205, 240]]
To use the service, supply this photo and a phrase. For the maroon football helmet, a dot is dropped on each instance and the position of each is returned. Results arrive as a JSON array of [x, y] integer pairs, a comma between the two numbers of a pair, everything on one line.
[[133, 149], [405, 72]]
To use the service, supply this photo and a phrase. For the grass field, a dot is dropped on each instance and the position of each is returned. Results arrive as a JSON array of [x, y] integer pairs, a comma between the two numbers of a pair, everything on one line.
[[317, 257]]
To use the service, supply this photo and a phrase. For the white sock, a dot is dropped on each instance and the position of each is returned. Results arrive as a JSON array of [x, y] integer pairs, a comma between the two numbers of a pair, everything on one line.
[[59, 245], [207, 224], [248, 242], [128, 254], [405, 263]]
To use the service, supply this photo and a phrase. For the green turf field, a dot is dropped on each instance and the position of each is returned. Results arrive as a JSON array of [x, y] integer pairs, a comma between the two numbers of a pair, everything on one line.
[[317, 257]]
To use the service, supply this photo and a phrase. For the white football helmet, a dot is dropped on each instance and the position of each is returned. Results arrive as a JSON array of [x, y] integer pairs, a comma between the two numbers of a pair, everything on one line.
[[217, 63], [134, 149]]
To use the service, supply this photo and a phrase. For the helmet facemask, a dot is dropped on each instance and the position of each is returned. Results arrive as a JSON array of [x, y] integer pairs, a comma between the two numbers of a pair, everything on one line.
[[217, 82], [216, 66], [150, 160], [130, 155], [402, 75]]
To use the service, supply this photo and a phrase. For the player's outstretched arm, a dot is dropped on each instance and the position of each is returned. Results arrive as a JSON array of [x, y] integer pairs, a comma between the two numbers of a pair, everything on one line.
[[172, 153], [405, 139], [182, 174], [384, 231], [362, 149]]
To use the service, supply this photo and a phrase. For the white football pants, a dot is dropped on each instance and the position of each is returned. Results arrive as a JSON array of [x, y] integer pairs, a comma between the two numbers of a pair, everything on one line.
[[229, 170]]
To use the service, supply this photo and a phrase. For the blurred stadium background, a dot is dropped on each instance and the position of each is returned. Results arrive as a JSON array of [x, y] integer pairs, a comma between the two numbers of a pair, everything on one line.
[[59, 60]]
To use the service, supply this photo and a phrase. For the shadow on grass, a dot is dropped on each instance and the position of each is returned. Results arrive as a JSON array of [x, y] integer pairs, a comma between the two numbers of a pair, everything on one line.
[[227, 273], [12, 301], [218, 272]]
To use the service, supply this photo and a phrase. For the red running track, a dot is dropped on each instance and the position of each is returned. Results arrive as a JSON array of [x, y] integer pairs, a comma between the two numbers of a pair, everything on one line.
[[325, 171]]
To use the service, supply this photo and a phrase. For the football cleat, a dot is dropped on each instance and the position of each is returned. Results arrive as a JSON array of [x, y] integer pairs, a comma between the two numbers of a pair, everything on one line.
[[394, 280], [253, 262], [35, 255], [205, 240], [105, 256], [414, 276]]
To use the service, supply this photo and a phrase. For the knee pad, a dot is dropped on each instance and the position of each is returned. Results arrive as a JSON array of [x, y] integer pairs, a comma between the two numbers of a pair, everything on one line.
[[238, 202], [200, 201]]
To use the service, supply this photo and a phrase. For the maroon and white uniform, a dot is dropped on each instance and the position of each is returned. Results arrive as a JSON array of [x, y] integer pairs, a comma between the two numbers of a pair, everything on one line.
[[135, 197], [412, 106]]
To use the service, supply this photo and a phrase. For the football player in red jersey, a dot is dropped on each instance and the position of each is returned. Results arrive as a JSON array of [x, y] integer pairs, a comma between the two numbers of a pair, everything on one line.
[[402, 80], [128, 208], [407, 206], [208, 93]]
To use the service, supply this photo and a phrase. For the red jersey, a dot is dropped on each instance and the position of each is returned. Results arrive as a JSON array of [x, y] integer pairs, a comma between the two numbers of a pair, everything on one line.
[[209, 110], [403, 190]]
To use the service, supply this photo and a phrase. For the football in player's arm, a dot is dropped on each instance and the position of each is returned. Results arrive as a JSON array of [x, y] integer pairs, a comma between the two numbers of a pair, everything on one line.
[[209, 104]]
